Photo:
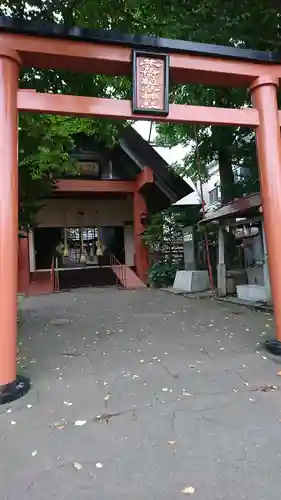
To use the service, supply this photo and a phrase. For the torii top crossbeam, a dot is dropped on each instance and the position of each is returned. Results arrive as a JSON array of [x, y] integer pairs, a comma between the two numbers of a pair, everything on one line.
[[103, 51], [80, 49]]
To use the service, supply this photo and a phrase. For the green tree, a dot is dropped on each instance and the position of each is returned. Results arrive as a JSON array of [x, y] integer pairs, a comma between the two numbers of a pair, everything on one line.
[[226, 23], [45, 141]]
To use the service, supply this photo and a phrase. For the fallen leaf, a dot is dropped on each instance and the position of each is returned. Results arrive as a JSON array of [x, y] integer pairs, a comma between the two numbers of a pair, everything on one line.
[[268, 388], [189, 490], [77, 466], [185, 393], [59, 425], [79, 423]]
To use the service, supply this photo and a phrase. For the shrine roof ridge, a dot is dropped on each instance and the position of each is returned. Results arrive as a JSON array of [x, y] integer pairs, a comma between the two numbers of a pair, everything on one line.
[[138, 42]]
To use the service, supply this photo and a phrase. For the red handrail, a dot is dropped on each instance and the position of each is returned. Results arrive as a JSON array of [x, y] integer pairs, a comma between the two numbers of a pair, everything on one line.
[[114, 262]]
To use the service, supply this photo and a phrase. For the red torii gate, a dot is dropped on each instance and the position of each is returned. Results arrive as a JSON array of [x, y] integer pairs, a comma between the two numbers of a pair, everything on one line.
[[25, 44]]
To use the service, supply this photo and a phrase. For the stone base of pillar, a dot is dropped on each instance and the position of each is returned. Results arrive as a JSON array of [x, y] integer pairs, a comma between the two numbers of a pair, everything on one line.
[[221, 280], [274, 346], [14, 390]]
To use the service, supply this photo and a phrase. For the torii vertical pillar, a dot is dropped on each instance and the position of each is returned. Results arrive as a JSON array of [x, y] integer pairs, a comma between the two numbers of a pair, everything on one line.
[[141, 252], [11, 386], [264, 97]]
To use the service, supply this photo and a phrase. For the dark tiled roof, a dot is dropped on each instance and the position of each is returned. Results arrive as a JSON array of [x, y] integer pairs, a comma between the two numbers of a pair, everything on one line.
[[237, 208], [144, 155]]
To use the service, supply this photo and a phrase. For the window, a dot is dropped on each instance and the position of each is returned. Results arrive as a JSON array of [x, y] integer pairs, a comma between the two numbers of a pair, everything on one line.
[[90, 235], [214, 195], [241, 174]]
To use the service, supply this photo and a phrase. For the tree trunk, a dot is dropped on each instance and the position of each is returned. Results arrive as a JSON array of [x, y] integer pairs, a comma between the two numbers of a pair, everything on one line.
[[226, 174], [223, 143]]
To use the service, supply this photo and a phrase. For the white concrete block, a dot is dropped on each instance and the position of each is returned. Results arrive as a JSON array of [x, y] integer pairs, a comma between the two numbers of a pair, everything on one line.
[[256, 293], [192, 281]]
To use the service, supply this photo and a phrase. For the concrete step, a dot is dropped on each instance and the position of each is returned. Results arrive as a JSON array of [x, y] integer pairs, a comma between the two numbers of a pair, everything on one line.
[[40, 284], [127, 277]]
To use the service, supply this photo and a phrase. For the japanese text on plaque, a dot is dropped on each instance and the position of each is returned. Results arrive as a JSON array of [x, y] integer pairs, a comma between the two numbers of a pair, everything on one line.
[[151, 83]]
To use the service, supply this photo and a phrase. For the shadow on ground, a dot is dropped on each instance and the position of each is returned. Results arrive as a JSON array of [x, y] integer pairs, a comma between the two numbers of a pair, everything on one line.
[[170, 393]]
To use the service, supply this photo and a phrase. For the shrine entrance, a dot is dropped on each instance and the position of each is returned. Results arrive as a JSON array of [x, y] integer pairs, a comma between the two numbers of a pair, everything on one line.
[[73, 254], [152, 62]]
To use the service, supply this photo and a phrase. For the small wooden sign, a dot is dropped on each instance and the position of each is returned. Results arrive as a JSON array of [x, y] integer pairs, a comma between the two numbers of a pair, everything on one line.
[[150, 83]]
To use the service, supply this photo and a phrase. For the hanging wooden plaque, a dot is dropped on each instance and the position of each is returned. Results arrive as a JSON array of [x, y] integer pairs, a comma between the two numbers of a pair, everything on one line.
[[150, 83]]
